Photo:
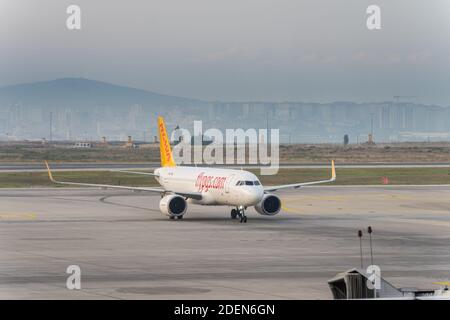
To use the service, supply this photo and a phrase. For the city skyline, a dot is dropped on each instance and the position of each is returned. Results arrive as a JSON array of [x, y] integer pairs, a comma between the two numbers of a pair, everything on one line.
[[80, 109]]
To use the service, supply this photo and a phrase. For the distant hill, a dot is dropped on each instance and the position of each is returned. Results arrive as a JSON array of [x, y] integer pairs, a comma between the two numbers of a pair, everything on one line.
[[85, 93]]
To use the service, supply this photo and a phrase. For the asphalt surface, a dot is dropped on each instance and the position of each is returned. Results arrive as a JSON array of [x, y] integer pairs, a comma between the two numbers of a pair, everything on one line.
[[127, 249]]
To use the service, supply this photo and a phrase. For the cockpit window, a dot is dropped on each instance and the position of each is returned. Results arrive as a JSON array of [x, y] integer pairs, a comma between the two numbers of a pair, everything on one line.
[[247, 183]]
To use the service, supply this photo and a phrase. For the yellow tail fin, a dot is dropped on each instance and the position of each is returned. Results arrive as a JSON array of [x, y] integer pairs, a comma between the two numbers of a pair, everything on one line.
[[164, 145]]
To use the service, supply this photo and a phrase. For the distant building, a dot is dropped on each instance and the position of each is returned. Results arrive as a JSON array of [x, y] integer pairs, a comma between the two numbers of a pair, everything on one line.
[[83, 144], [130, 144]]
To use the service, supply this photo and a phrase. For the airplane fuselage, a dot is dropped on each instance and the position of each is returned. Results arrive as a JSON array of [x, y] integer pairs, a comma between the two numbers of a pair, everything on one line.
[[216, 186]]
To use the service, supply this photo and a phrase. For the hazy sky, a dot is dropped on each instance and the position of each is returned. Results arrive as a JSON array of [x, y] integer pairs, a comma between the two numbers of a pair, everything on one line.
[[235, 49]]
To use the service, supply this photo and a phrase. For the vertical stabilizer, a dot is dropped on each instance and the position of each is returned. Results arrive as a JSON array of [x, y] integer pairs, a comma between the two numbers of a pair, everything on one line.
[[164, 145]]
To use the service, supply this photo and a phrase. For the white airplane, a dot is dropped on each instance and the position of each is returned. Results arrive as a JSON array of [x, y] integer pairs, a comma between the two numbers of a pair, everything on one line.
[[181, 185]]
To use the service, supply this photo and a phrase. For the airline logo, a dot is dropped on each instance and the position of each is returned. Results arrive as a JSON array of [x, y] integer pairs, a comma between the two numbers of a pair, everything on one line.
[[204, 183], [164, 141], [166, 153]]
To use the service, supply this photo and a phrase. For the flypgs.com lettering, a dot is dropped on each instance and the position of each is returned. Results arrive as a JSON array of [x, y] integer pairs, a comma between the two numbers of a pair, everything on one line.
[[204, 183]]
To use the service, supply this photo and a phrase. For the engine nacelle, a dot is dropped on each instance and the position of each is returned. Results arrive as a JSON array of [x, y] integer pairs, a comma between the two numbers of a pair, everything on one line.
[[173, 205], [270, 205]]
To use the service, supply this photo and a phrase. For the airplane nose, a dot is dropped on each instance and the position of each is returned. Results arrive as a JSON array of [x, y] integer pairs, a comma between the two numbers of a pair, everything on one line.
[[253, 195]]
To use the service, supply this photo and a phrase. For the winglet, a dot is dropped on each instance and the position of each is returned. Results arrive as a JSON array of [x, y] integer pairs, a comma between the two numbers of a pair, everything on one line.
[[333, 171], [49, 172]]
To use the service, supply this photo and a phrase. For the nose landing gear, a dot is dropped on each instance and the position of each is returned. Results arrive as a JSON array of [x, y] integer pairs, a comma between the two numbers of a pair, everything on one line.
[[239, 212]]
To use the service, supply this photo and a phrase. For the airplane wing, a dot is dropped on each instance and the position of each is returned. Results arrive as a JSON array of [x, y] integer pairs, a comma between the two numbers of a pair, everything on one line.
[[193, 195], [298, 185], [136, 172], [160, 190]]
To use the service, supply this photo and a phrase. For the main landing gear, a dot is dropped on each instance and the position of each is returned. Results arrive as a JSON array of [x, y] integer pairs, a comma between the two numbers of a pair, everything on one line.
[[239, 212]]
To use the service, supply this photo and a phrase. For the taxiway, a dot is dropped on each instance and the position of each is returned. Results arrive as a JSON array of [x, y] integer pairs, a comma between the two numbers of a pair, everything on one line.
[[127, 249]]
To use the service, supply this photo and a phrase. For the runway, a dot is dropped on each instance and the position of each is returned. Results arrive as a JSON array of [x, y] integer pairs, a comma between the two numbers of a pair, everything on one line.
[[127, 249], [89, 166]]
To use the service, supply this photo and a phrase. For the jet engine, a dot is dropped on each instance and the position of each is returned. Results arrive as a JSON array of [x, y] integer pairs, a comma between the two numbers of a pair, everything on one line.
[[173, 205], [270, 205]]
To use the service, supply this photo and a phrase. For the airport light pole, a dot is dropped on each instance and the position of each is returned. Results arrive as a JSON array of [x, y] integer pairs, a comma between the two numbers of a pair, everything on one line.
[[360, 246], [369, 230], [371, 123], [51, 125]]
